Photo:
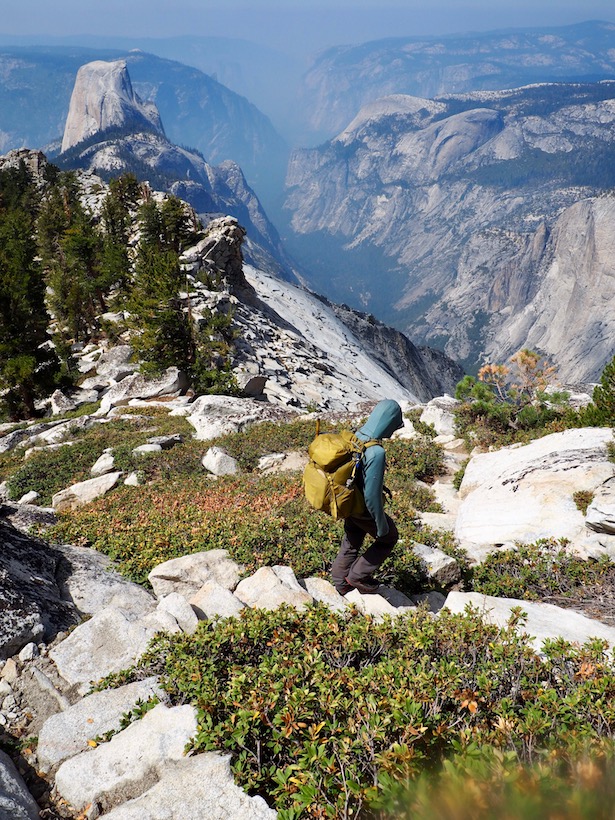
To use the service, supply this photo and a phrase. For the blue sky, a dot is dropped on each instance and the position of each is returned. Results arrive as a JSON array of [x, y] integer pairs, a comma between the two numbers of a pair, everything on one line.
[[290, 24]]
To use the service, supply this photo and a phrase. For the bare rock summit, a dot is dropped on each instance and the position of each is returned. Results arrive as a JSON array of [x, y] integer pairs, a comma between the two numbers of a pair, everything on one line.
[[103, 98]]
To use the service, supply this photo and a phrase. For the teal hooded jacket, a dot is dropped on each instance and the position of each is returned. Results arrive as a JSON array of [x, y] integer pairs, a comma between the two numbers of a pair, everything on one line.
[[385, 418]]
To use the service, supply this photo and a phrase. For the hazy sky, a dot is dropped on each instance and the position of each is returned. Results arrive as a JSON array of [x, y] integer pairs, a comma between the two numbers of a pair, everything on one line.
[[292, 25]]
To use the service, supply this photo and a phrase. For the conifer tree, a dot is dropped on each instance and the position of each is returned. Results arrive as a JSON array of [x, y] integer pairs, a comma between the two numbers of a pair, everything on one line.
[[601, 411], [27, 366], [71, 252], [164, 334]]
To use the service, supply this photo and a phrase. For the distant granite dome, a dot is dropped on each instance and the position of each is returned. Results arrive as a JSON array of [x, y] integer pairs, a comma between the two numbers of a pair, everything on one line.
[[103, 98]]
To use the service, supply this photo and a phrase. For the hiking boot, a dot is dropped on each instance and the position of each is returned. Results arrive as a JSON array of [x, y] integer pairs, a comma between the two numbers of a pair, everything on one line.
[[344, 588], [366, 587]]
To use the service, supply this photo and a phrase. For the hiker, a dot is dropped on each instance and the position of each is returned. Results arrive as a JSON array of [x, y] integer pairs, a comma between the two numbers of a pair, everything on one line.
[[351, 570]]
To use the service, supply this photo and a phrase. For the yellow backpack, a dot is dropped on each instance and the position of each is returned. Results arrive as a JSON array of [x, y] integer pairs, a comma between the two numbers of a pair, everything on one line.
[[329, 479]]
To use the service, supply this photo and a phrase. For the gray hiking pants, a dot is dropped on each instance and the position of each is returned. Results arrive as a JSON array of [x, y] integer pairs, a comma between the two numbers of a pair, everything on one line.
[[348, 563]]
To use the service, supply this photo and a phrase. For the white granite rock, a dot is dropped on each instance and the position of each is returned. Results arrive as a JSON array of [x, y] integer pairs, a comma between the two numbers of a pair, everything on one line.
[[196, 788], [218, 462], [172, 382], [29, 652], [104, 464], [323, 591], [16, 802], [67, 733], [265, 590], [600, 515], [177, 606], [213, 600], [144, 449], [29, 498], [282, 462], [526, 493], [110, 641], [439, 413], [214, 416], [440, 567], [376, 605], [60, 403], [187, 574], [131, 762], [84, 491]]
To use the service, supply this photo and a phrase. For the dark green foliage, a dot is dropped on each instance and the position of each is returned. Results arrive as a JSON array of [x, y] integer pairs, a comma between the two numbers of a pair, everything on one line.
[[71, 251], [536, 571], [594, 166], [417, 459], [214, 339], [26, 369], [62, 268], [601, 411], [116, 216], [324, 713], [164, 336]]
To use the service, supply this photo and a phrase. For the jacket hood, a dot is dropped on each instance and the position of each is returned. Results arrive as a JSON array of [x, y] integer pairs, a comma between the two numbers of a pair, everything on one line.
[[384, 420]]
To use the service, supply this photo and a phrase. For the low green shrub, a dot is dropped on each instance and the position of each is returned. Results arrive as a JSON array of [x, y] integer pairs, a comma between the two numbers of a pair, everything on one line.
[[323, 713], [418, 458], [535, 571], [261, 520], [459, 474], [421, 427], [248, 445]]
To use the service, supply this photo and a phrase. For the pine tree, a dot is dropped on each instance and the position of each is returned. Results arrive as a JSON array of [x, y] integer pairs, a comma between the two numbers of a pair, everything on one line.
[[164, 332], [71, 251], [601, 411], [27, 368]]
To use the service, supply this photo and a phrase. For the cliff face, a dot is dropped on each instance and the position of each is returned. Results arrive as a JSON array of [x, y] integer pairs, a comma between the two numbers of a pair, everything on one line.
[[103, 98], [466, 216], [572, 314]]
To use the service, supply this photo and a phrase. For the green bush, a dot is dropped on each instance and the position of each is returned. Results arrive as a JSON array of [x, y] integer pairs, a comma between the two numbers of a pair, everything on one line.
[[582, 499], [248, 445], [459, 474], [535, 571], [323, 713]]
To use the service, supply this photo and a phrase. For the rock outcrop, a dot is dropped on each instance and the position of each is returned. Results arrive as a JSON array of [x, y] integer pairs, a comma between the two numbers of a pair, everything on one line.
[[526, 493], [31, 602], [103, 99]]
